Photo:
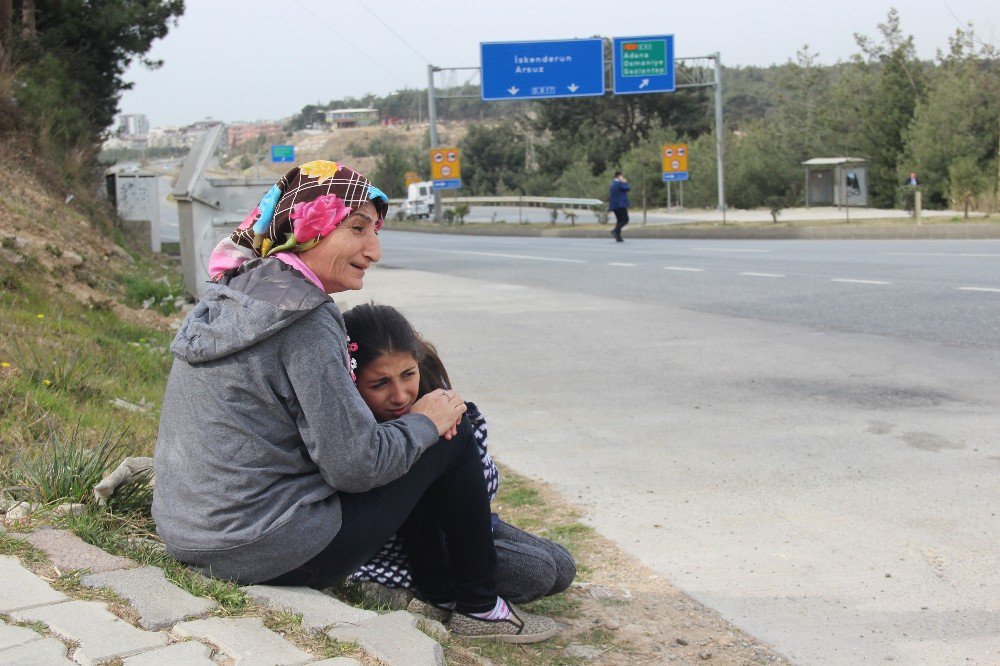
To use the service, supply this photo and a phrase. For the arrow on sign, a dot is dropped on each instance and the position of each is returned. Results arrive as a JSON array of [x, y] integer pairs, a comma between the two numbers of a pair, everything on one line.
[[643, 83], [573, 87], [512, 90]]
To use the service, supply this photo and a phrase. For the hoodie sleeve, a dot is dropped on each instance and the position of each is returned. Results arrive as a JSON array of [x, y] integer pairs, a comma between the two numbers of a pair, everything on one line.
[[353, 451]]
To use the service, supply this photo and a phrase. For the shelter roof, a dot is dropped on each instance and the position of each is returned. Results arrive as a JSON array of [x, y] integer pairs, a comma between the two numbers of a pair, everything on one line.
[[833, 161]]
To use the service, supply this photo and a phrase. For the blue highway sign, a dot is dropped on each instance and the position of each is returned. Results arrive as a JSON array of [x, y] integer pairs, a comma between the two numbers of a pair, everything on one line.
[[535, 70], [644, 64], [447, 184], [282, 153], [679, 175]]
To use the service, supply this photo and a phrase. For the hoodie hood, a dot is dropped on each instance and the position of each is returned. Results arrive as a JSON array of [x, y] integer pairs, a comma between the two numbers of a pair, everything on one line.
[[239, 311]]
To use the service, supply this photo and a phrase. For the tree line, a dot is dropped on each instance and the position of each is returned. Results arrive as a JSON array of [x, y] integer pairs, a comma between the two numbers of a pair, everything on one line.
[[61, 76], [61, 69], [940, 119]]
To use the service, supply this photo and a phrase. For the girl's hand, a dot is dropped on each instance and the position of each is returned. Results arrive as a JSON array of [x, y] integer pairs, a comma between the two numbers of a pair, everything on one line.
[[444, 407]]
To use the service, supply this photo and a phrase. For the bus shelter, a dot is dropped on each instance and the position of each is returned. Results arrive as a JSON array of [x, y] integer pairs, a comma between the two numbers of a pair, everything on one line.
[[836, 181]]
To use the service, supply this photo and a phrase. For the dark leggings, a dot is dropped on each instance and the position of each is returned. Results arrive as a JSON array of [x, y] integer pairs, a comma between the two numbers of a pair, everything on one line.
[[441, 511]]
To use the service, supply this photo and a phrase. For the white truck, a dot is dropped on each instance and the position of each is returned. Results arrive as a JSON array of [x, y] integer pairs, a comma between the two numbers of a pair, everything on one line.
[[419, 200]]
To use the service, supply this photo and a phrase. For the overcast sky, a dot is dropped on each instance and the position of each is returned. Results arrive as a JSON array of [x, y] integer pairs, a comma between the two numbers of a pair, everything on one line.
[[237, 60]]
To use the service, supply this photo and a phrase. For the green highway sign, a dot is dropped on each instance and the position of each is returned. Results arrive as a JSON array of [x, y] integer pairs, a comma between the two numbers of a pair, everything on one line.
[[643, 64], [645, 58]]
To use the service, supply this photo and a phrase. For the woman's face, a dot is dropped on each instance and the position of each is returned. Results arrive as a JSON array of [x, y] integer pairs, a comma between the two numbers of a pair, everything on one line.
[[389, 385], [341, 259]]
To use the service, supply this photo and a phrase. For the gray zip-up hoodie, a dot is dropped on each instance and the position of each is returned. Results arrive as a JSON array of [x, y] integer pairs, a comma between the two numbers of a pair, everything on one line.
[[262, 426]]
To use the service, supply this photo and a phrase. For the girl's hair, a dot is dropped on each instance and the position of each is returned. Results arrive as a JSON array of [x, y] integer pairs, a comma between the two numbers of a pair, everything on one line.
[[432, 371], [379, 330]]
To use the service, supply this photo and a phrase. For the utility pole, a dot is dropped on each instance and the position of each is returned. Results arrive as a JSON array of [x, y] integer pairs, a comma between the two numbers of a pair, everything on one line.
[[698, 77], [432, 118], [719, 150]]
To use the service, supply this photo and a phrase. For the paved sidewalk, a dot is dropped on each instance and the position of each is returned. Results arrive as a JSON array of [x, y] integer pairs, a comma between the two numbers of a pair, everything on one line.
[[168, 625]]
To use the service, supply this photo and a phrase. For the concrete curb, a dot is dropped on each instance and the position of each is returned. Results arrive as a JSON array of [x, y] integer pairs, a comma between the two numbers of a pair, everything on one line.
[[175, 626]]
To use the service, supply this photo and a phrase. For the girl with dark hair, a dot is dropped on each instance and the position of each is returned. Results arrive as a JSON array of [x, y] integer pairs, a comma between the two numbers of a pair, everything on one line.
[[395, 367]]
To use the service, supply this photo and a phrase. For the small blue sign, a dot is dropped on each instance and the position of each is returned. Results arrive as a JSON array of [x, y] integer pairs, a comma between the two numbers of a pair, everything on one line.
[[644, 64], [447, 184], [537, 70], [676, 175], [282, 153]]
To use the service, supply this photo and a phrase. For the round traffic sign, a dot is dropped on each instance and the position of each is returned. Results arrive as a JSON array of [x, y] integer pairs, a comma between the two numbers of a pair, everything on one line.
[[675, 165], [681, 152], [669, 152], [452, 156], [446, 171], [439, 157]]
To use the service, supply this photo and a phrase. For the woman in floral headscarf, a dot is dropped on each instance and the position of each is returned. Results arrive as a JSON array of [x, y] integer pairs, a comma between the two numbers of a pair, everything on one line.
[[270, 468]]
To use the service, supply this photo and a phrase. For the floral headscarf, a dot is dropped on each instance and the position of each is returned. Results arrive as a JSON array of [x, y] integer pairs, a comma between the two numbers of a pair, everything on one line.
[[301, 209]]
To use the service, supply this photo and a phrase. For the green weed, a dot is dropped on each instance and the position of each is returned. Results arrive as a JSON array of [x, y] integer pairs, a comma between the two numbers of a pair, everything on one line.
[[50, 368], [66, 467], [558, 605], [22, 550], [570, 535], [515, 492], [134, 495], [289, 625], [149, 292]]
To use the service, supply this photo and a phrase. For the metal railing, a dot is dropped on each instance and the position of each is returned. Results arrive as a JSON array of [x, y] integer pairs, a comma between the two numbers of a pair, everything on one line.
[[516, 201]]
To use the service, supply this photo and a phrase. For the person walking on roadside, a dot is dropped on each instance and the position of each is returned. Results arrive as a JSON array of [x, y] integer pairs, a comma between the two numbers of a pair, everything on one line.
[[618, 204]]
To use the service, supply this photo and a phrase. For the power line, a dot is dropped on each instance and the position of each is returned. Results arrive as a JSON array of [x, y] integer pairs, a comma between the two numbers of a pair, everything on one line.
[[967, 30], [397, 35], [350, 43]]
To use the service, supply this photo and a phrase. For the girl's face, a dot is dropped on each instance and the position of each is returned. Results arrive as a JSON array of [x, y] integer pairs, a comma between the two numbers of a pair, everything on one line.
[[389, 385]]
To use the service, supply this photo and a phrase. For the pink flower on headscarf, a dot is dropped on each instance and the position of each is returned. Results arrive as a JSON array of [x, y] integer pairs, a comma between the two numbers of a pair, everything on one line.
[[318, 217]]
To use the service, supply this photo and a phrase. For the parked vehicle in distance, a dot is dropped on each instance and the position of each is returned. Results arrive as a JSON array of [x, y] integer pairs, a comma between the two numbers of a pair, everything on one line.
[[419, 200]]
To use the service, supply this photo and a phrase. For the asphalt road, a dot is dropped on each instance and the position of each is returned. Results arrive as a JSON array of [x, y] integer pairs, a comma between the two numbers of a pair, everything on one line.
[[802, 435], [946, 292]]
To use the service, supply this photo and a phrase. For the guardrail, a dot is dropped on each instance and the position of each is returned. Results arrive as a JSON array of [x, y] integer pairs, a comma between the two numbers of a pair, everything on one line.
[[516, 201]]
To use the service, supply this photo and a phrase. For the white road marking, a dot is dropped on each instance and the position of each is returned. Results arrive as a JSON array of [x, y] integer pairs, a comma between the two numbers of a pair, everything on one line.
[[683, 268], [937, 254], [859, 281], [777, 275], [615, 263], [726, 249], [507, 256], [992, 289]]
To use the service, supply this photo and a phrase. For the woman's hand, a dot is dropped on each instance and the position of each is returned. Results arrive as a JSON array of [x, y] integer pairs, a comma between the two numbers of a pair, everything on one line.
[[444, 407]]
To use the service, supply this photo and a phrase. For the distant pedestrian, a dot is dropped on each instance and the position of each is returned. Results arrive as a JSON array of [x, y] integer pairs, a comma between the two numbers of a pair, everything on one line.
[[618, 204], [911, 179]]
